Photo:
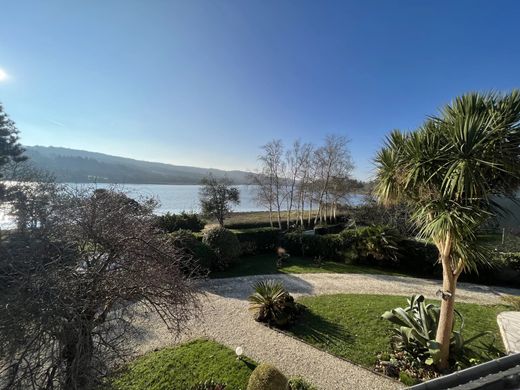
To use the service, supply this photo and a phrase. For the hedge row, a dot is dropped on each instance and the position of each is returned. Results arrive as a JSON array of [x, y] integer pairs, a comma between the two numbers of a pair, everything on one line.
[[255, 241]]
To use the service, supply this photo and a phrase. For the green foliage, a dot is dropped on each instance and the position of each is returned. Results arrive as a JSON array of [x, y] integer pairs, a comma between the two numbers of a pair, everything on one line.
[[217, 198], [187, 221], [417, 327], [350, 325], [266, 264], [202, 256], [372, 245], [329, 246], [271, 303], [447, 171], [300, 384], [224, 244], [259, 240], [418, 257], [209, 385], [10, 148], [185, 366], [329, 229], [407, 379], [267, 377]]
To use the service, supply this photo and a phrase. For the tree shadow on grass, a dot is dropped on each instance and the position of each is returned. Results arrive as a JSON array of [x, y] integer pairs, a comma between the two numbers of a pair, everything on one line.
[[318, 330]]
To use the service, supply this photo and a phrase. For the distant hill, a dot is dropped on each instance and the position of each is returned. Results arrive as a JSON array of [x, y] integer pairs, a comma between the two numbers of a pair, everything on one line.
[[79, 166]]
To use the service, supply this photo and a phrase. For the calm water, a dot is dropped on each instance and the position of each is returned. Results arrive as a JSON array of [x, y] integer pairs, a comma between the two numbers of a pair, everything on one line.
[[175, 198]]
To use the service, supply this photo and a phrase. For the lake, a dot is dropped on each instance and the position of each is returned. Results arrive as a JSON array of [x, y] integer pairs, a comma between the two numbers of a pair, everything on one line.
[[176, 198]]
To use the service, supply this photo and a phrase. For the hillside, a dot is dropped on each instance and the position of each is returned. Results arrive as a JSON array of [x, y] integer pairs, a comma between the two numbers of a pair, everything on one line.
[[79, 166]]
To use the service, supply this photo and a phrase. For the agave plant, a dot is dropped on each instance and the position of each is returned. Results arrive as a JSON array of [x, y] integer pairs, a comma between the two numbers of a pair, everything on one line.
[[418, 324], [272, 303]]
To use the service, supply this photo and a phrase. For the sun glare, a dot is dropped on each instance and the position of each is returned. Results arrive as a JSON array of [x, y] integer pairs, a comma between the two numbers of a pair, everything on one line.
[[3, 75]]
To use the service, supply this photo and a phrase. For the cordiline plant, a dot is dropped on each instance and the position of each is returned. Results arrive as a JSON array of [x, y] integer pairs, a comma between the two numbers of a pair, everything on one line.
[[449, 173]]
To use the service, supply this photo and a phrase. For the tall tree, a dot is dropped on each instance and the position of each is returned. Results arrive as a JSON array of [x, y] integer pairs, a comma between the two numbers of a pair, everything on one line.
[[333, 161], [217, 198], [273, 168], [448, 172], [10, 148]]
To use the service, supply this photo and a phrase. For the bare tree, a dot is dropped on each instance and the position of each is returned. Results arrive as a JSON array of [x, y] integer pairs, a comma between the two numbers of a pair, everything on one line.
[[332, 161], [217, 198], [265, 195], [72, 285], [297, 159], [273, 168]]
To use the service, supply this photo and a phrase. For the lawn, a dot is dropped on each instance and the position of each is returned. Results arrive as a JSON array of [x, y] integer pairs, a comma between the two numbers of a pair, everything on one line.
[[182, 367], [350, 325], [266, 265]]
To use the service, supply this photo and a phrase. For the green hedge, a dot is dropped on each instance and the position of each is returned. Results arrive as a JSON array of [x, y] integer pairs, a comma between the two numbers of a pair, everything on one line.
[[329, 247], [200, 256], [259, 225], [255, 241], [329, 229], [184, 221]]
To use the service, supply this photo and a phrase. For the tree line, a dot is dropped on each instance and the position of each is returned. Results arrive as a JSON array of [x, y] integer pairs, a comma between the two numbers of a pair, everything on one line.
[[308, 181]]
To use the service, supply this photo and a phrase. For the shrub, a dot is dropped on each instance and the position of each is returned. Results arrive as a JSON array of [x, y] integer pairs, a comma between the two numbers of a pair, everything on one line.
[[329, 247], [172, 222], [272, 304], [261, 240], [418, 257], [209, 385], [407, 379], [417, 327], [329, 229], [203, 257], [267, 377], [300, 384], [373, 245], [225, 245]]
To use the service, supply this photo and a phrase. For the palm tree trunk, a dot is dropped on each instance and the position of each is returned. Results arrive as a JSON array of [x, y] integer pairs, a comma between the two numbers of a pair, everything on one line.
[[449, 285], [446, 317]]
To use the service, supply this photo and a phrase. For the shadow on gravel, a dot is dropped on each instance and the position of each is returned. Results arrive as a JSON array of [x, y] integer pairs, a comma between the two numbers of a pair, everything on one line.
[[242, 287]]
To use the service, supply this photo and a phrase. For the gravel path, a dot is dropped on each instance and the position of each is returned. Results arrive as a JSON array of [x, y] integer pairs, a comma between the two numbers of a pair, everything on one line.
[[225, 318]]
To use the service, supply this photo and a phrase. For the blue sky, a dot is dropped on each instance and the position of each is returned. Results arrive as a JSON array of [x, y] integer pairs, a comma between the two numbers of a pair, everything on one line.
[[206, 83]]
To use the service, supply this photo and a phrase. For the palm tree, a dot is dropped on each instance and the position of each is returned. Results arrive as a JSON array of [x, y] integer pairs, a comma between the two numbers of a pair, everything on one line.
[[449, 172]]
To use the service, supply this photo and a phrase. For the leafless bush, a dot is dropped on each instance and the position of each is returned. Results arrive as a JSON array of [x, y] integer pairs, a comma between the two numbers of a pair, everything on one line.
[[68, 281]]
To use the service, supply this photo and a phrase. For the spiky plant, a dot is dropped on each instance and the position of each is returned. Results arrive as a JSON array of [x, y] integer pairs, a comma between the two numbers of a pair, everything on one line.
[[271, 303], [448, 172]]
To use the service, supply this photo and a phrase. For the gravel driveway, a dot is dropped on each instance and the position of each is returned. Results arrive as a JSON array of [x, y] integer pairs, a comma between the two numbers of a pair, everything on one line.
[[225, 318]]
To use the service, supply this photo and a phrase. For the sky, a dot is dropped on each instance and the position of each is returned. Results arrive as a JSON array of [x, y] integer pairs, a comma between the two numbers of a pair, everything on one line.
[[206, 83]]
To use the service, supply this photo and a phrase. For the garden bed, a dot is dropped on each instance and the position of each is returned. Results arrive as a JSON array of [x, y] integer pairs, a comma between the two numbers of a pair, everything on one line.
[[350, 325]]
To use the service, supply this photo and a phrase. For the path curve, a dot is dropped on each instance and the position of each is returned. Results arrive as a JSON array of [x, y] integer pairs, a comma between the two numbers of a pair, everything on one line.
[[225, 318]]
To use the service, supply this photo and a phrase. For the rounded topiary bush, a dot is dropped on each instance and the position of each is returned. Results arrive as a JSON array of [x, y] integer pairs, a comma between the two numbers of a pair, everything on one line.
[[267, 377], [225, 245]]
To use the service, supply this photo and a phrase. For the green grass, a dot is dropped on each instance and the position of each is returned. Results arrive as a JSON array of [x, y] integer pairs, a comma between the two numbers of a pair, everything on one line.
[[266, 265], [350, 325], [182, 367]]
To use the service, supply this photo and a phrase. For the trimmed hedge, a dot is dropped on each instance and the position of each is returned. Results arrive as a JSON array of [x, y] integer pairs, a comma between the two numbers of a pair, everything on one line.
[[255, 241], [267, 377], [259, 225], [329, 246], [225, 245], [184, 221], [329, 229]]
